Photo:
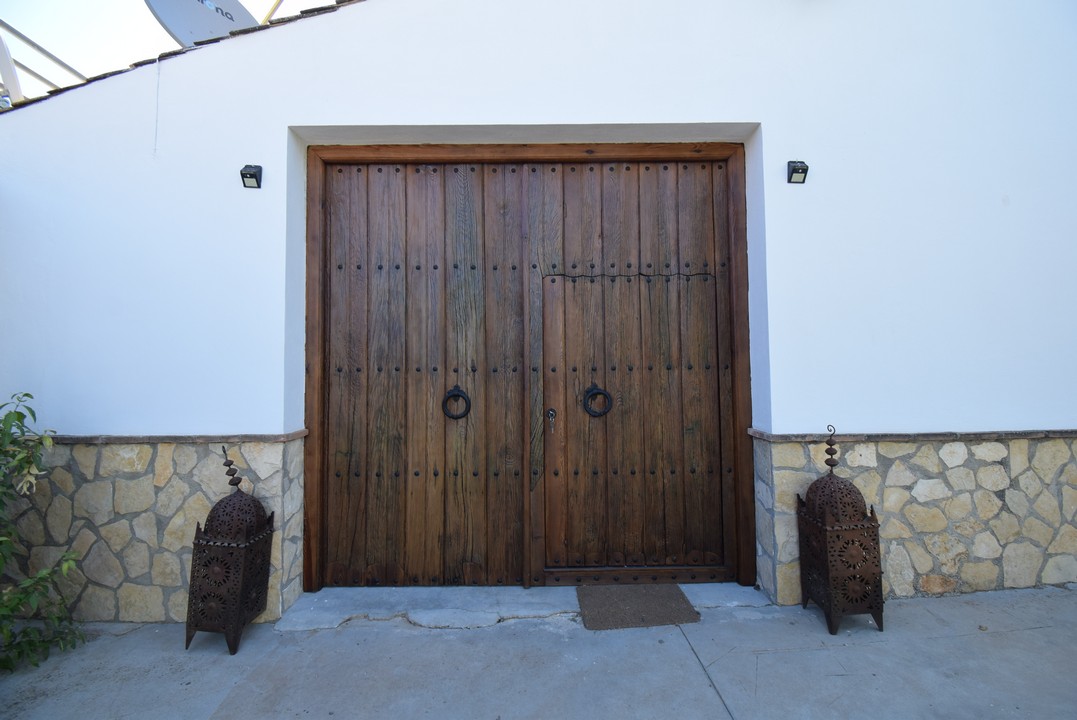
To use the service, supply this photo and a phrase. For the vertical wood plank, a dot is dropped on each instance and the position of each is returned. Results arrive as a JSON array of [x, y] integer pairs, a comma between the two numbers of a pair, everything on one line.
[[583, 219], [465, 361], [658, 215], [557, 473], [505, 237], [695, 205], [387, 398]]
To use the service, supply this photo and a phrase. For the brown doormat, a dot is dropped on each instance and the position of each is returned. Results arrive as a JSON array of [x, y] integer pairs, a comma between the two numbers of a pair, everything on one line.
[[613, 607]]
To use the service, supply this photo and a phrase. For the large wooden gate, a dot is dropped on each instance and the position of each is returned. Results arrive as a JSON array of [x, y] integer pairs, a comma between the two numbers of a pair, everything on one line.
[[525, 367]]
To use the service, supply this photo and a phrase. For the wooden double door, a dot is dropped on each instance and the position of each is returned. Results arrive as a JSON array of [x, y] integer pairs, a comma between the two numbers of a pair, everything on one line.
[[525, 370]]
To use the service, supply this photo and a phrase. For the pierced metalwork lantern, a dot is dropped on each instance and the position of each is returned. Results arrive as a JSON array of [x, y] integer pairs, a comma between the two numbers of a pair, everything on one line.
[[230, 565], [839, 548]]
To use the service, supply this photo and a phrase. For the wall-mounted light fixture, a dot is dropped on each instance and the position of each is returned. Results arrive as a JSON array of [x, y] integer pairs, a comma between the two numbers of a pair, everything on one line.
[[798, 171], [252, 176]]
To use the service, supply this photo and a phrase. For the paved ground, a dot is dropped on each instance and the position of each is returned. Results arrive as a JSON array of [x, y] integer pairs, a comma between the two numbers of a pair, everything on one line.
[[513, 653]]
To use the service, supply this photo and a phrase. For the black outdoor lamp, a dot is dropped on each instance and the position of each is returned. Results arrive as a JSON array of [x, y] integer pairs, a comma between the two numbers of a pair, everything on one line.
[[798, 171], [252, 176]]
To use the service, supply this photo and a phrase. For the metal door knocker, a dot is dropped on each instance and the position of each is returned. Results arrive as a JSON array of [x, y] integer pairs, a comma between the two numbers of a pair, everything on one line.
[[456, 392], [589, 396]]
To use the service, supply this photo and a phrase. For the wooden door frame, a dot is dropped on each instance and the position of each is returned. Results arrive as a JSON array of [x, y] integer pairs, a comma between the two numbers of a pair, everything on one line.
[[314, 494]]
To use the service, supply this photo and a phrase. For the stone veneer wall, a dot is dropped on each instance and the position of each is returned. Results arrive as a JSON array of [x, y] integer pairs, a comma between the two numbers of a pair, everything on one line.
[[129, 509], [956, 513]]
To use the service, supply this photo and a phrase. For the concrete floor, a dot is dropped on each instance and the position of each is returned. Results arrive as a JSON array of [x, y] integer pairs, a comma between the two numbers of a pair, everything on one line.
[[513, 653]]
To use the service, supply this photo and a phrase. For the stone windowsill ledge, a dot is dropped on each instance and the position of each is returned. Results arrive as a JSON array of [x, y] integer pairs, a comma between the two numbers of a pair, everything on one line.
[[193, 439], [916, 437]]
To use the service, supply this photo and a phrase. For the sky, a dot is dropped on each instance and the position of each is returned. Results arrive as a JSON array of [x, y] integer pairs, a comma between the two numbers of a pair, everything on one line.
[[98, 36]]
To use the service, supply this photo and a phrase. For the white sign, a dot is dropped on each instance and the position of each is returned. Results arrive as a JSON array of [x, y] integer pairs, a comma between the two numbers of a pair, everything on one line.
[[189, 21]]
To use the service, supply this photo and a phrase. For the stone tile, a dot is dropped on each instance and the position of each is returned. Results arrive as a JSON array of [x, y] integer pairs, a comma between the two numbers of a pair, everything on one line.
[[63, 480], [162, 464], [116, 534], [166, 570], [1033, 529], [959, 507], [1069, 475], [117, 459], [893, 528], [927, 459], [937, 584], [787, 485], [1060, 569], [86, 459], [140, 603], [41, 497], [1069, 503], [894, 499], [862, 455], [44, 557], [968, 527], [1018, 457], [102, 567], [171, 498], [82, 542], [134, 495], [145, 528], [1048, 457], [930, 489], [1006, 528], [788, 455], [987, 504], [177, 606], [896, 450], [94, 501], [785, 529], [989, 451], [925, 519], [899, 571], [1017, 502], [1065, 541], [1021, 563], [97, 604], [58, 519], [947, 550], [921, 560], [961, 478], [980, 576], [185, 457], [899, 475], [136, 560], [1047, 508], [993, 477], [954, 454], [789, 584], [1029, 483], [985, 545], [30, 526]]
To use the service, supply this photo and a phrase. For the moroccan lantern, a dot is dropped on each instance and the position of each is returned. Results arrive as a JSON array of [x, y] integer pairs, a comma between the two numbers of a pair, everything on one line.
[[839, 548], [230, 565]]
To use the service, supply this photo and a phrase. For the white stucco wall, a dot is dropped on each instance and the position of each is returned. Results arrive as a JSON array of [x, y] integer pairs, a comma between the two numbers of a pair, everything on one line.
[[922, 280]]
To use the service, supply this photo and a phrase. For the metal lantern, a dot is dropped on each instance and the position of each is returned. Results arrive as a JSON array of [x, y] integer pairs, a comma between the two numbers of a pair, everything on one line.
[[839, 548], [230, 565]]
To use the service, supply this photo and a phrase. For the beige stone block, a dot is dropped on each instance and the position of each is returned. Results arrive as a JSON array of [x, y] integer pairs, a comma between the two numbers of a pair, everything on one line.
[[41, 497], [44, 557], [102, 567], [55, 456], [145, 528], [765, 575], [764, 531], [1029, 483], [896, 449], [58, 519], [290, 594], [116, 534], [176, 533], [789, 584], [921, 560], [166, 570], [894, 499], [134, 496], [1049, 456], [986, 546], [116, 459], [1018, 457], [862, 455], [899, 571], [136, 560], [31, 527], [961, 478], [1065, 541], [979, 576], [97, 604], [954, 454], [209, 477], [162, 464], [783, 455], [817, 452], [870, 485], [177, 606], [947, 550], [959, 507], [63, 480], [293, 500], [184, 457], [900, 475], [1017, 502], [893, 528], [928, 459], [925, 519], [929, 489], [1060, 569], [1037, 531], [787, 485], [1069, 503], [993, 477], [989, 451], [82, 543], [1021, 563], [94, 501], [171, 498], [937, 584], [987, 504], [1006, 528], [86, 459], [141, 603], [1047, 508], [71, 585], [1069, 475], [968, 527]]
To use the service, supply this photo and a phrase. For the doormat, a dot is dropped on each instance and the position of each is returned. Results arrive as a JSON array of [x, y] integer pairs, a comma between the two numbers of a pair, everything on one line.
[[614, 607]]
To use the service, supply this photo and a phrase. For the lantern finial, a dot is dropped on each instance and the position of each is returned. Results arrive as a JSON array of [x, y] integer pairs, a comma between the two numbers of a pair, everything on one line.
[[830, 451], [232, 473]]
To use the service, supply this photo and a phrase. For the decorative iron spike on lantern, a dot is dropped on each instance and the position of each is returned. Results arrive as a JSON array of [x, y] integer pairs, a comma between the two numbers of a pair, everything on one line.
[[839, 548], [230, 565]]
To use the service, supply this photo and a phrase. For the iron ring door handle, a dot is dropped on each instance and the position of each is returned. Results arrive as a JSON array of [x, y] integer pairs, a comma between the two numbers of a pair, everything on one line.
[[589, 396], [456, 392]]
